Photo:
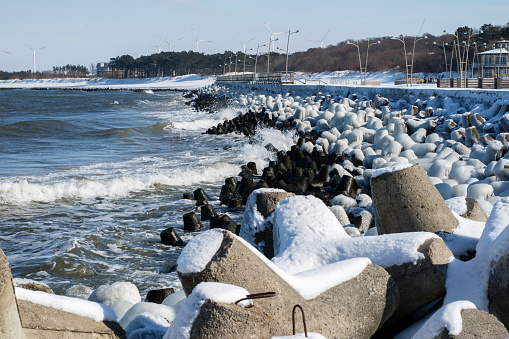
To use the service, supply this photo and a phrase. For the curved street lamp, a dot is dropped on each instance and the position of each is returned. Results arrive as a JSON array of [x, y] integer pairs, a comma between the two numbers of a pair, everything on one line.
[[409, 67], [363, 70], [256, 60], [463, 56], [245, 59], [287, 48], [268, 53]]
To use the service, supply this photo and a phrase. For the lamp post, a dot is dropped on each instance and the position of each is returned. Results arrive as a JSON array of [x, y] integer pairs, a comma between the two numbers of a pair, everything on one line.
[[409, 67], [287, 48], [483, 60], [364, 69], [245, 59], [236, 59], [256, 60], [413, 55], [463, 56], [268, 53], [224, 64], [445, 55]]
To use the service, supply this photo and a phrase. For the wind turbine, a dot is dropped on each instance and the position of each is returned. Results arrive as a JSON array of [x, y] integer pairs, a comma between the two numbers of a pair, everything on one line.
[[244, 43], [197, 42], [321, 41], [35, 50], [169, 43], [5, 52], [272, 35]]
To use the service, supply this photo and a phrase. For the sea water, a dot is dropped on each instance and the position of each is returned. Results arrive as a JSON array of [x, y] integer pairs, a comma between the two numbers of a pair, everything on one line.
[[88, 180]]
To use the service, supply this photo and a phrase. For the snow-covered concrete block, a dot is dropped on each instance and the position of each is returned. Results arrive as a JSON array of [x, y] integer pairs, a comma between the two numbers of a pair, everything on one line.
[[350, 298], [405, 200]]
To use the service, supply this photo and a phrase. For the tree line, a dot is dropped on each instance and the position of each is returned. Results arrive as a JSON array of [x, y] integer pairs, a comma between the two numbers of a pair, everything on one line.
[[430, 57], [67, 71]]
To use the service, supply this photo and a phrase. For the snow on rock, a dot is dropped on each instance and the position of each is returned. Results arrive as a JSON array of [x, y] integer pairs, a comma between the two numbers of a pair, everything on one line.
[[147, 326], [253, 221], [302, 220], [197, 253], [121, 307], [464, 238], [89, 309], [448, 317], [165, 312], [389, 169], [109, 294], [218, 292], [174, 298], [467, 282], [385, 250]]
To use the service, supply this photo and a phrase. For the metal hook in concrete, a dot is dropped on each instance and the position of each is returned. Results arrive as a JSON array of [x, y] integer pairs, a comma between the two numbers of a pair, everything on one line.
[[303, 320]]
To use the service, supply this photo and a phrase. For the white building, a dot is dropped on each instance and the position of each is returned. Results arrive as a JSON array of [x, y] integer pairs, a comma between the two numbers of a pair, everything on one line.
[[494, 63]]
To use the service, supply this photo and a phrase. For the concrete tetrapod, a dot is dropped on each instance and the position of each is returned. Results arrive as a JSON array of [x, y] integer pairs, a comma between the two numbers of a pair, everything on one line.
[[23, 319], [405, 200], [10, 324], [248, 322], [355, 308], [477, 324], [421, 283], [498, 289]]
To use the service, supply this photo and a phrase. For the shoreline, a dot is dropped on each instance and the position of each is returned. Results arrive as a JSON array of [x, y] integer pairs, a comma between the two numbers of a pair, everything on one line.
[[342, 132]]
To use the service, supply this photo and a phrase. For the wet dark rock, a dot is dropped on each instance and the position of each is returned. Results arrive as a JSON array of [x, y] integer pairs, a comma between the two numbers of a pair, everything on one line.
[[234, 202], [170, 237], [348, 186], [189, 196], [201, 203], [223, 221], [207, 211], [158, 296], [191, 222], [199, 194]]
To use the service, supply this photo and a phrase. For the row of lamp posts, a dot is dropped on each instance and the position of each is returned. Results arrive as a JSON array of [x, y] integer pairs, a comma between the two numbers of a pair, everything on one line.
[[462, 56]]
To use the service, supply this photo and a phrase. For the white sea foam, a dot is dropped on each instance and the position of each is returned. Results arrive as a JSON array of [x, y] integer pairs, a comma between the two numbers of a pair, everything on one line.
[[24, 191]]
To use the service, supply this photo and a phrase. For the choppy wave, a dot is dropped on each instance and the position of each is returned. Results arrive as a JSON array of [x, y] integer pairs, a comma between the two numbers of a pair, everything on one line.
[[24, 191], [39, 127], [205, 122]]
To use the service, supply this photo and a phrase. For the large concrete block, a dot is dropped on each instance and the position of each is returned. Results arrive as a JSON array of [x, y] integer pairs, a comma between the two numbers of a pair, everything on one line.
[[42, 322], [477, 324], [421, 283], [498, 289], [406, 200], [23, 319], [355, 308], [220, 320], [10, 324]]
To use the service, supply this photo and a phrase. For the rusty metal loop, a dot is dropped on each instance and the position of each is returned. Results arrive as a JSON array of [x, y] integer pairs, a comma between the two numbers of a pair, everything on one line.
[[303, 319], [257, 296]]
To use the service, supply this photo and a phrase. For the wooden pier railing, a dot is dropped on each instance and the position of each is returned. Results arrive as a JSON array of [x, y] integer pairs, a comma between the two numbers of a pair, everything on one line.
[[486, 83]]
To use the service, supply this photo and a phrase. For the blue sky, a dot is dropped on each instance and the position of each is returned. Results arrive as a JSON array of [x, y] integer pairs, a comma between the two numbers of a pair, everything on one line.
[[85, 32]]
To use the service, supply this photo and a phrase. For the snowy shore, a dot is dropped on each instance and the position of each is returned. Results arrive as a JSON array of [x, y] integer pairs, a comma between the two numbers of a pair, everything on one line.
[[460, 139]]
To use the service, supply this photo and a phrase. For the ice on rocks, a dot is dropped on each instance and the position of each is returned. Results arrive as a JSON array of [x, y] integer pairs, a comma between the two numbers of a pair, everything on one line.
[[174, 298], [166, 312], [89, 309], [146, 326], [197, 253], [121, 307], [109, 294], [300, 217]]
